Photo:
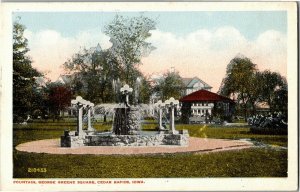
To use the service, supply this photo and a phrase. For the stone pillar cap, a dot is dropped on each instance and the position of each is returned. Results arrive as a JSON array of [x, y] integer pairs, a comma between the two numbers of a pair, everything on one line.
[[172, 101], [126, 88]]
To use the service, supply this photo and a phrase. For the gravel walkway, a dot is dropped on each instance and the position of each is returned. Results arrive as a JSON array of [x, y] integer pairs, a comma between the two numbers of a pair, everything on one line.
[[199, 145]]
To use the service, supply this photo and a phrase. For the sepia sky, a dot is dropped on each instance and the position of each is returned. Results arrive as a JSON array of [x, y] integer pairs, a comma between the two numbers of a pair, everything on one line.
[[194, 43]]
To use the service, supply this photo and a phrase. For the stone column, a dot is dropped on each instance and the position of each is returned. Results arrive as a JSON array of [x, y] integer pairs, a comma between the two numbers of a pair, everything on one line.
[[79, 120], [80, 104], [90, 107], [160, 105], [172, 120], [172, 103], [160, 118], [89, 119]]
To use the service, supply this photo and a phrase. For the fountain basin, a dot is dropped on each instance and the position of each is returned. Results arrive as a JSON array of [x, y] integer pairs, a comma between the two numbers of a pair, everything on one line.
[[144, 138]]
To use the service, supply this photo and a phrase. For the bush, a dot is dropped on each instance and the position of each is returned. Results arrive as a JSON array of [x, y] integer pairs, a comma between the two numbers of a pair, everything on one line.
[[268, 124]]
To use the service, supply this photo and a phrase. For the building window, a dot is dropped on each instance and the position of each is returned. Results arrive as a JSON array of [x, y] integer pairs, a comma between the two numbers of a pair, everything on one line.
[[206, 103]]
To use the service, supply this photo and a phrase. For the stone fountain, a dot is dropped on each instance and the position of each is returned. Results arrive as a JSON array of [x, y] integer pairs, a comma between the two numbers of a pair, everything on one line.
[[126, 129]]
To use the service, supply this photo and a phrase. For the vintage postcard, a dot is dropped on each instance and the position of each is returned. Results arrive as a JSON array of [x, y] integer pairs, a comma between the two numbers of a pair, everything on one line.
[[144, 96]]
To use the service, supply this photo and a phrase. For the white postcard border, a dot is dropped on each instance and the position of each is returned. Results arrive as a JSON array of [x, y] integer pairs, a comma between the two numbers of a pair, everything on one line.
[[178, 184]]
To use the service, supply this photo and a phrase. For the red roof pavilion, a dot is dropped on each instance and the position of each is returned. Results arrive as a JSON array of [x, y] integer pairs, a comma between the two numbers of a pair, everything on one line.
[[204, 96]]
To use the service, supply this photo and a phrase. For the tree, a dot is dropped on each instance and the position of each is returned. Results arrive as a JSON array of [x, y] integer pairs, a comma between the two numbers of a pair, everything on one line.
[[24, 85], [280, 100], [240, 83], [145, 91], [171, 85], [93, 72], [186, 112], [128, 42], [98, 74], [270, 84], [249, 86], [59, 98]]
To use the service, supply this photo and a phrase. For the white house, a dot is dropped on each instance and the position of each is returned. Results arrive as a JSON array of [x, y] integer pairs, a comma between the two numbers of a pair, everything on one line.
[[194, 84]]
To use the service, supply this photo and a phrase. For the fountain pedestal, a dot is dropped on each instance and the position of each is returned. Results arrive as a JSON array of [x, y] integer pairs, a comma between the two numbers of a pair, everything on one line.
[[126, 121]]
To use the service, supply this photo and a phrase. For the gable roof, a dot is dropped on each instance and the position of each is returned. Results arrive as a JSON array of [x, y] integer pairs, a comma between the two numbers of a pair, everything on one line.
[[65, 79], [204, 95], [186, 81], [190, 82], [40, 81]]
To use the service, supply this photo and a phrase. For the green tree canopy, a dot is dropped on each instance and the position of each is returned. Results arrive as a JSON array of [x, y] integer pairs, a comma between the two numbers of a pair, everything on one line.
[[98, 74], [269, 82], [24, 85], [280, 100], [171, 85], [144, 90], [244, 83], [59, 98], [272, 85], [128, 37], [93, 72], [240, 82]]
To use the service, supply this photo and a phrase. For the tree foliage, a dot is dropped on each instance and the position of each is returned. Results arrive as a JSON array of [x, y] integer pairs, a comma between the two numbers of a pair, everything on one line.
[[186, 112], [93, 72], [273, 90], [59, 98], [280, 100], [99, 74], [24, 85], [145, 91], [240, 82], [248, 86], [269, 83], [128, 42], [171, 85]]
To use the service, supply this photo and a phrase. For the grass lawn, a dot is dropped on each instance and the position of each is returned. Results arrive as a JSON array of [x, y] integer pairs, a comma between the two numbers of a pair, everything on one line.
[[254, 162]]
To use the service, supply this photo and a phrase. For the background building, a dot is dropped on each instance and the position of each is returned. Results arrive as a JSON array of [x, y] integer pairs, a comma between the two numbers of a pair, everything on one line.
[[204, 103], [194, 84]]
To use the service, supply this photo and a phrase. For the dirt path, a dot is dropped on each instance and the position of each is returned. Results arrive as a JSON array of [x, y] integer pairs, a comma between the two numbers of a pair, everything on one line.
[[199, 145]]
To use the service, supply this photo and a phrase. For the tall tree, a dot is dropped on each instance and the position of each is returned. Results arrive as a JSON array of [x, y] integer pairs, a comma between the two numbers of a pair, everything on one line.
[[93, 72], [24, 74], [280, 100], [269, 83], [240, 82], [59, 98], [128, 37], [99, 73], [171, 85], [145, 91]]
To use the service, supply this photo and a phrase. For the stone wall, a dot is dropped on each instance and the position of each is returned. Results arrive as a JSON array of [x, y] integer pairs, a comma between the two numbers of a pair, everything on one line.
[[72, 141], [180, 139], [134, 119]]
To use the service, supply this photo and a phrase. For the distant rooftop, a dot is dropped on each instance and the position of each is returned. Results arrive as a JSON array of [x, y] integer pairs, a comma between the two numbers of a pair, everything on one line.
[[189, 82], [204, 95]]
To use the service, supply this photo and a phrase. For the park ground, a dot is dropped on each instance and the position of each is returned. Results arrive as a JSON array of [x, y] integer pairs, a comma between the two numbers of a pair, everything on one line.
[[267, 159]]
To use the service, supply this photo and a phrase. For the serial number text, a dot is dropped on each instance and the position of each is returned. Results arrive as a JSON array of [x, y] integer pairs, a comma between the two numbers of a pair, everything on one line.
[[37, 170]]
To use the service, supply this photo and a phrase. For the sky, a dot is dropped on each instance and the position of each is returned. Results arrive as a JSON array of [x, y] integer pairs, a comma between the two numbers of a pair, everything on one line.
[[194, 43]]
